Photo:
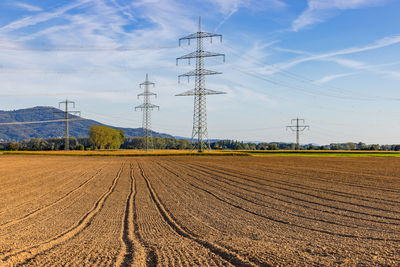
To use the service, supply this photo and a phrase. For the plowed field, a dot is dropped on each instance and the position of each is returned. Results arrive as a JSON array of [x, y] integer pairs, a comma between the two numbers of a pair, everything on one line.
[[199, 211]]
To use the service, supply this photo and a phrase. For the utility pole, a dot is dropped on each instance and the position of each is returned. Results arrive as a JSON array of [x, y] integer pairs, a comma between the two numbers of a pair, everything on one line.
[[200, 131], [66, 116], [298, 128], [147, 107]]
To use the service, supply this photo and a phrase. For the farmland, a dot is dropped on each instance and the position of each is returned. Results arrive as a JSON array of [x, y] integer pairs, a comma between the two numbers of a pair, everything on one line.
[[207, 211]]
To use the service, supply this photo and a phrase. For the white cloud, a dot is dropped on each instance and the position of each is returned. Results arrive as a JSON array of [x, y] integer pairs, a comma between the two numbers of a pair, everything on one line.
[[28, 7], [168, 20], [229, 7], [244, 93], [126, 10], [320, 10], [79, 69], [341, 61], [41, 17], [392, 74], [333, 77], [87, 67], [348, 63], [99, 24], [252, 56], [384, 42]]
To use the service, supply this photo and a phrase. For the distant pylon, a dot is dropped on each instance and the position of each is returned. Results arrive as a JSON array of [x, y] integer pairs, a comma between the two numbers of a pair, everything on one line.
[[147, 107], [66, 116], [200, 131], [298, 128]]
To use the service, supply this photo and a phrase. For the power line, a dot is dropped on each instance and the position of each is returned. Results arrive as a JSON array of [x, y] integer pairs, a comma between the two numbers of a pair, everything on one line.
[[309, 82], [66, 72], [37, 122], [200, 92], [298, 88], [295, 87], [72, 48], [254, 129], [26, 110]]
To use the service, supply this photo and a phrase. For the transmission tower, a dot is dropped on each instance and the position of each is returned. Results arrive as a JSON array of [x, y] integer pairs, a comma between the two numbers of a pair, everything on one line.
[[147, 107], [297, 128], [66, 113], [200, 92]]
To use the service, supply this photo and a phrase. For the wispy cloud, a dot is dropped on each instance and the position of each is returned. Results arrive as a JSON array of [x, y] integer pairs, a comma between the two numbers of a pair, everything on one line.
[[126, 10], [95, 24], [329, 78], [348, 63], [226, 6], [168, 22], [72, 49], [41, 17], [28, 7], [229, 7], [252, 56], [384, 42], [319, 10]]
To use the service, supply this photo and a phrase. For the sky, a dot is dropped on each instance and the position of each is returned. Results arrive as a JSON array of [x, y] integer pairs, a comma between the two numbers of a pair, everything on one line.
[[333, 63]]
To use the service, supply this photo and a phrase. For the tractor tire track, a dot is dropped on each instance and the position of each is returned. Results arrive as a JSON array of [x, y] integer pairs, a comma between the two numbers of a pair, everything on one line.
[[146, 252], [132, 249], [228, 256]]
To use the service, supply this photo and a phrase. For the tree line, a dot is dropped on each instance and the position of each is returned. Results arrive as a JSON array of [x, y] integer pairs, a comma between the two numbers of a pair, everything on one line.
[[236, 145], [102, 137]]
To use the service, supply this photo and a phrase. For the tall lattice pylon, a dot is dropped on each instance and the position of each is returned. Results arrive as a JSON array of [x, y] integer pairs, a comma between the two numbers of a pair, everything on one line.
[[200, 131], [146, 108]]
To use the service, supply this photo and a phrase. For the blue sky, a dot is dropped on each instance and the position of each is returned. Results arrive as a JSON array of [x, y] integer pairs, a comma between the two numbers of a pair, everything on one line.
[[334, 63]]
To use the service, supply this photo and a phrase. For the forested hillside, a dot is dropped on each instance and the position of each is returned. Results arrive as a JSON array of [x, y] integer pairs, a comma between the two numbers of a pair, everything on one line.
[[78, 128]]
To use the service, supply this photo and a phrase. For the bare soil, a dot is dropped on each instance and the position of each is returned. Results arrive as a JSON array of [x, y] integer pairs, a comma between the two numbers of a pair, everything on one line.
[[199, 211]]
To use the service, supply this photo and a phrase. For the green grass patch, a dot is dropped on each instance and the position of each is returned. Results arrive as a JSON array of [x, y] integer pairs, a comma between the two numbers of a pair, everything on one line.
[[126, 153], [317, 153]]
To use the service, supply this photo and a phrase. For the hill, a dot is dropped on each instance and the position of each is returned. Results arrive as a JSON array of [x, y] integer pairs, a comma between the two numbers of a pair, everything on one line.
[[77, 128]]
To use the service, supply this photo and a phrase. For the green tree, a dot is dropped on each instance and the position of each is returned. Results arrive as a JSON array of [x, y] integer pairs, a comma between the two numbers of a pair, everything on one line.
[[80, 147], [13, 146], [272, 146], [351, 146], [361, 146], [105, 137], [311, 147], [375, 147]]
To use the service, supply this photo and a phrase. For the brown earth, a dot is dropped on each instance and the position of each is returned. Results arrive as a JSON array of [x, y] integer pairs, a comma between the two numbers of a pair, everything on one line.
[[199, 211]]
